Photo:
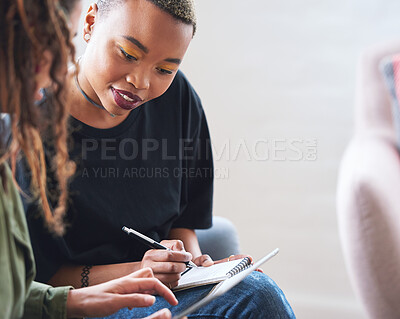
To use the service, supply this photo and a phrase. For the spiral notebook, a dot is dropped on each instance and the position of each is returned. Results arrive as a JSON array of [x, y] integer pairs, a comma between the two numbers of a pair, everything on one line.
[[235, 277], [194, 277]]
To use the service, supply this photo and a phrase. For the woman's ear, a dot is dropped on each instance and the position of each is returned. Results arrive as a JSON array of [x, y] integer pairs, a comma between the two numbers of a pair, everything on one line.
[[89, 22], [42, 73]]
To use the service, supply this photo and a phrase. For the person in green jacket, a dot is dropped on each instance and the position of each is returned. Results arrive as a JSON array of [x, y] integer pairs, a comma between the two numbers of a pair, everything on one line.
[[35, 47]]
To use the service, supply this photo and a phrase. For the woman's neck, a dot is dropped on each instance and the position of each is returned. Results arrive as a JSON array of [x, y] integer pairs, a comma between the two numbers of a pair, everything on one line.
[[86, 112]]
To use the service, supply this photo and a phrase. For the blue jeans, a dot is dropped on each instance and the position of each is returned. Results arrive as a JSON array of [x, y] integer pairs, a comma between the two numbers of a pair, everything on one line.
[[257, 296]]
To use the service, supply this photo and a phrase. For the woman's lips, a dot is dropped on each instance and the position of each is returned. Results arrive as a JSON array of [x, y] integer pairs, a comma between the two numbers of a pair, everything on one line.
[[125, 99]]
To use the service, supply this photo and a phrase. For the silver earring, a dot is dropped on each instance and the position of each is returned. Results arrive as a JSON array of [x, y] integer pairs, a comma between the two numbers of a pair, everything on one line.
[[87, 37]]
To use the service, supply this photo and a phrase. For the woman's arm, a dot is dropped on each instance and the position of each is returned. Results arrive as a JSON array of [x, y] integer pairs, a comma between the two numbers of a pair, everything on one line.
[[134, 290], [129, 291], [166, 265], [71, 275]]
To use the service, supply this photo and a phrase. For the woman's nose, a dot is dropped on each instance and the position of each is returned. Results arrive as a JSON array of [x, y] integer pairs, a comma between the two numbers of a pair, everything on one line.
[[140, 80]]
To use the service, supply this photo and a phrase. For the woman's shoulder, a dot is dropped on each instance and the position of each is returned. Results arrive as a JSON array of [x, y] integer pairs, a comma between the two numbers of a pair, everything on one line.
[[11, 204], [181, 97], [182, 88], [185, 103], [181, 80]]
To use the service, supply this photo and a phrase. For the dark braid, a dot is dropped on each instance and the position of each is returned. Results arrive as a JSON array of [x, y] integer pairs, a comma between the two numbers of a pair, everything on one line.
[[27, 29]]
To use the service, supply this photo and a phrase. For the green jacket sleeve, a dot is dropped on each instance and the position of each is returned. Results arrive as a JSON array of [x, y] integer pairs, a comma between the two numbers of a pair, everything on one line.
[[44, 302]]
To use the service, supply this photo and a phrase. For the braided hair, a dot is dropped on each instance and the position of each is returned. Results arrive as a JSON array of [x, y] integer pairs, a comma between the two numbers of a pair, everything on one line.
[[182, 10], [27, 29]]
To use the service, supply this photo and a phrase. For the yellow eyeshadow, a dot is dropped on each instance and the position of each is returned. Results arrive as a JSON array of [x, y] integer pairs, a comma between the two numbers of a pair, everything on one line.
[[130, 52], [166, 67]]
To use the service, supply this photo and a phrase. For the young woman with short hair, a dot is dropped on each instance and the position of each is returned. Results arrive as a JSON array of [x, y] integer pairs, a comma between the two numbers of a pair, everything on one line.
[[141, 143]]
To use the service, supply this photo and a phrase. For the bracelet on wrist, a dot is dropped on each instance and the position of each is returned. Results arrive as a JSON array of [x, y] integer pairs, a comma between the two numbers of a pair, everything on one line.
[[85, 276]]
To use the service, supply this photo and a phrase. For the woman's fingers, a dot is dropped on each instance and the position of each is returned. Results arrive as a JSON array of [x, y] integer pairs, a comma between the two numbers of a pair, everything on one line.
[[167, 255], [107, 298], [165, 278], [132, 286], [170, 280], [162, 314], [134, 301], [143, 273], [167, 265], [166, 262], [168, 268], [204, 260], [176, 245], [159, 288], [233, 257]]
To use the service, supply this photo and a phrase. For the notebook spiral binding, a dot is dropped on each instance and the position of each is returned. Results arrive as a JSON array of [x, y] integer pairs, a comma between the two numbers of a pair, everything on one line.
[[245, 263]]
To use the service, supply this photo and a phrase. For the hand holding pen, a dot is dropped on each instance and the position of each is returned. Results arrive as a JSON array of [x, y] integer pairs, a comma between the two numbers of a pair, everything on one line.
[[168, 259], [151, 242]]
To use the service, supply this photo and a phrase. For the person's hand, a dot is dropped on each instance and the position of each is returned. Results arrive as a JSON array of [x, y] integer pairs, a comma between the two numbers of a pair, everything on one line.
[[204, 261], [130, 291], [167, 265], [162, 314], [233, 257]]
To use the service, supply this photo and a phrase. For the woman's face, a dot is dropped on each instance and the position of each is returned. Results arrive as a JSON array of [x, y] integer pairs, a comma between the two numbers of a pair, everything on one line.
[[133, 54]]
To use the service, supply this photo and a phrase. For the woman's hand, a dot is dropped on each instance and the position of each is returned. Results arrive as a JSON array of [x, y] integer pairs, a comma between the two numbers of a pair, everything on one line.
[[130, 291], [233, 257], [162, 314], [204, 261], [167, 265]]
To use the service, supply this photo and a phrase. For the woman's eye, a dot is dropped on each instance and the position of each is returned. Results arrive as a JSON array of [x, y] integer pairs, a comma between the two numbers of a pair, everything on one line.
[[128, 56], [164, 71]]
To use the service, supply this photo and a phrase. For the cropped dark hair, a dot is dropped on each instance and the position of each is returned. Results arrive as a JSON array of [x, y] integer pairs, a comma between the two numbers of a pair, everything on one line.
[[182, 10]]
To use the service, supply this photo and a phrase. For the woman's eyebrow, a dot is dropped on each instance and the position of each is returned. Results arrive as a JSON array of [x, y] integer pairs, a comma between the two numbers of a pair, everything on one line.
[[175, 61], [146, 50], [137, 43]]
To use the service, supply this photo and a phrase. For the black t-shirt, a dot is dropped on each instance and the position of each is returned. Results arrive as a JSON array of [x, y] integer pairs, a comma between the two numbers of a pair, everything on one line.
[[152, 172]]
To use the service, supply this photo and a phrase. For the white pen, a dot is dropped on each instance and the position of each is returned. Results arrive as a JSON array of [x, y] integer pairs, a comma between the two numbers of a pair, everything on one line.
[[151, 243]]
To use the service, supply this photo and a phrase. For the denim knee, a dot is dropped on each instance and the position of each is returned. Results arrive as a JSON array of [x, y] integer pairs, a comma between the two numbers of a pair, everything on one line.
[[257, 296], [268, 290]]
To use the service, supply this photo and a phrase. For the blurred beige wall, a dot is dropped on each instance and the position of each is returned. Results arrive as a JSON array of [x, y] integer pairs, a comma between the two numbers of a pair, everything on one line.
[[277, 83]]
